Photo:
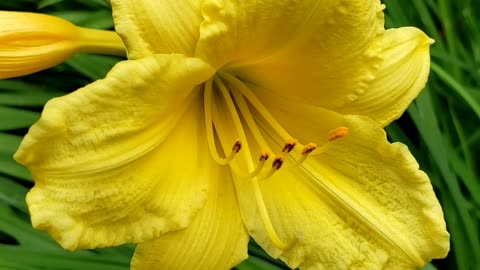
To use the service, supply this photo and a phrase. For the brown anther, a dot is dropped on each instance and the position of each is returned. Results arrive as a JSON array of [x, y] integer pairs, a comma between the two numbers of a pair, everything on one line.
[[289, 145], [237, 146], [309, 148], [337, 133], [277, 163], [264, 156]]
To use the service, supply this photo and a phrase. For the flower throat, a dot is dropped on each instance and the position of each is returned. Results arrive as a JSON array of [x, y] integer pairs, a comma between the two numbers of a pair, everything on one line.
[[246, 113], [239, 100]]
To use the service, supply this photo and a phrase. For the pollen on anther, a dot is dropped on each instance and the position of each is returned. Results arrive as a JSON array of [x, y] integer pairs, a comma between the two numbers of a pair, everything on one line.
[[264, 156], [289, 145], [237, 146], [277, 163], [309, 148], [337, 133]]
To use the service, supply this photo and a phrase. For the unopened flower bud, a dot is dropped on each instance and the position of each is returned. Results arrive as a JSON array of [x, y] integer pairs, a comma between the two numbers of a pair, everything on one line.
[[31, 42]]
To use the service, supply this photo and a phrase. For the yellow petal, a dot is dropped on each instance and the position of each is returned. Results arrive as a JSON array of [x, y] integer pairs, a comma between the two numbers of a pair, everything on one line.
[[402, 76], [31, 42], [359, 203], [116, 119], [157, 26], [216, 238], [101, 157], [317, 52]]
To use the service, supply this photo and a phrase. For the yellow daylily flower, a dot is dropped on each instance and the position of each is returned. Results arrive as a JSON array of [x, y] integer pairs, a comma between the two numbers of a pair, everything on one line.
[[33, 42], [234, 119]]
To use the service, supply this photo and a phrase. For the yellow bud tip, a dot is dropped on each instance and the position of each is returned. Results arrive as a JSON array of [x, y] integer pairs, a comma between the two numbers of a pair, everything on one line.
[[31, 42], [337, 133]]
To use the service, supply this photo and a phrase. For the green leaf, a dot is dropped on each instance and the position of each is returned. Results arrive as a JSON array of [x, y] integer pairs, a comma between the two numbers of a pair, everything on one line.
[[429, 266], [9, 143], [254, 263], [100, 19], [23, 94], [12, 118], [95, 3], [38, 259], [93, 66], [13, 194], [46, 3], [458, 88], [9, 166]]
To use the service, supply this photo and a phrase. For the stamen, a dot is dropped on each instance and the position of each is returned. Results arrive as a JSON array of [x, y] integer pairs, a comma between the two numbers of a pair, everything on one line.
[[289, 145], [264, 155], [257, 135], [237, 146], [337, 133], [278, 162], [231, 106], [276, 165], [247, 116], [208, 92], [245, 91], [235, 149], [333, 135], [267, 223], [307, 149], [261, 163]]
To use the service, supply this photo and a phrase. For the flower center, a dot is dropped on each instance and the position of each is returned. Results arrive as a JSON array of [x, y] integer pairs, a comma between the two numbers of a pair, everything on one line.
[[236, 120]]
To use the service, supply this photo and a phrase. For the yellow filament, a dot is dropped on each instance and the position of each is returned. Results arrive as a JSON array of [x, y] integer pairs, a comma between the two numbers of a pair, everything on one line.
[[333, 135], [276, 165], [258, 169], [307, 149], [267, 223], [247, 116], [235, 149], [208, 92], [231, 108], [268, 174], [257, 105]]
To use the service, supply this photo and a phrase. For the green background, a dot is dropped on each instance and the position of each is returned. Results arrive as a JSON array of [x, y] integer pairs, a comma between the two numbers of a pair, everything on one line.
[[441, 128]]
